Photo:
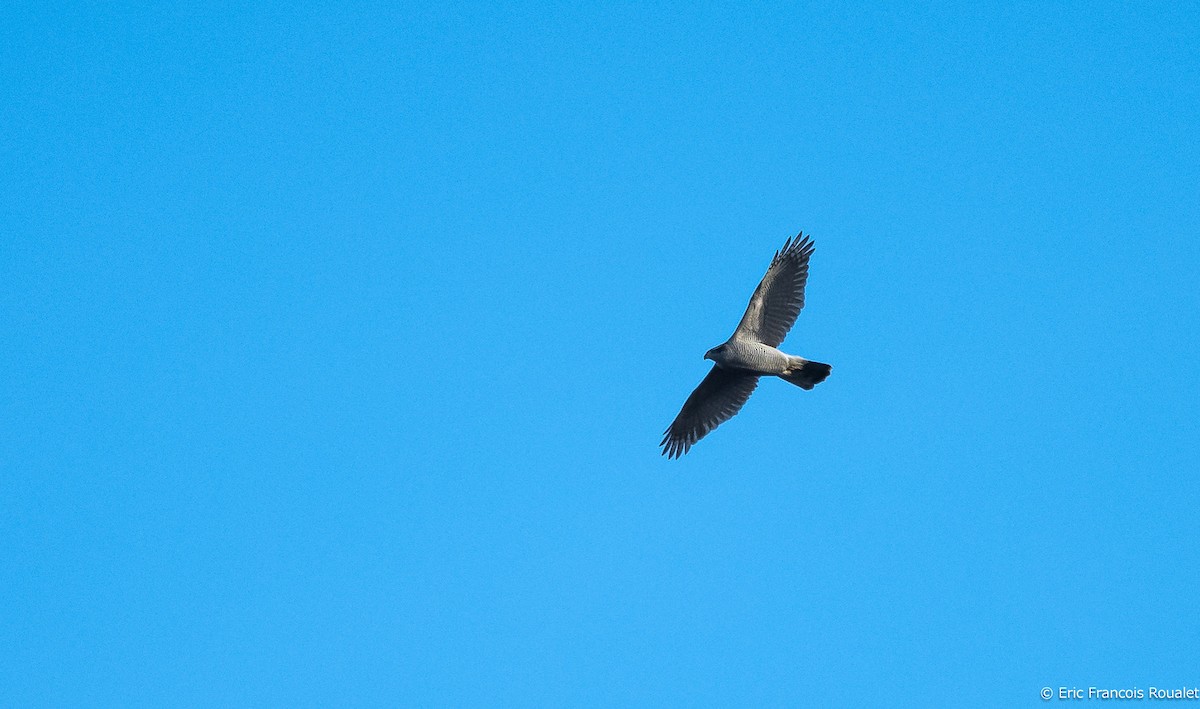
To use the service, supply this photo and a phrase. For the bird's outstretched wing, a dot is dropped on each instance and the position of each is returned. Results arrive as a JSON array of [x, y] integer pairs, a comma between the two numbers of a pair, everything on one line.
[[780, 295], [715, 401]]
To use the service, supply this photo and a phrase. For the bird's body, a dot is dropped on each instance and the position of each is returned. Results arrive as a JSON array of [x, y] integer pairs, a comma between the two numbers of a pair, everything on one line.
[[748, 356], [751, 352]]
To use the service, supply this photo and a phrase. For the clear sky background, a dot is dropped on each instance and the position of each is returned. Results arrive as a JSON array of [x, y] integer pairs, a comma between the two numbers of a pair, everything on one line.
[[337, 346]]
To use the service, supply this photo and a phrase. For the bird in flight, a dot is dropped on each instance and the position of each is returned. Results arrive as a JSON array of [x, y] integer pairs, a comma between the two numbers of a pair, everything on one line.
[[751, 352]]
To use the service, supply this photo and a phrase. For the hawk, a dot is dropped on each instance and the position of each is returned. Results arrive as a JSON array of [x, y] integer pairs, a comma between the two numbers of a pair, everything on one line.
[[751, 352]]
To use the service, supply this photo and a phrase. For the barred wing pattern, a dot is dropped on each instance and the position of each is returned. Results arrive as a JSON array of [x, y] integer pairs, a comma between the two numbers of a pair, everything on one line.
[[720, 395], [780, 295]]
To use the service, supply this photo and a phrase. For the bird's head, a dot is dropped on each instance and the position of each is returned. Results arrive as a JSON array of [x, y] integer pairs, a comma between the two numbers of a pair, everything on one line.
[[714, 352]]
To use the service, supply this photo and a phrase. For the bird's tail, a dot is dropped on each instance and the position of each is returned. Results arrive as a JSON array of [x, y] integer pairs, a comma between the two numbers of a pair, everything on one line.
[[806, 374]]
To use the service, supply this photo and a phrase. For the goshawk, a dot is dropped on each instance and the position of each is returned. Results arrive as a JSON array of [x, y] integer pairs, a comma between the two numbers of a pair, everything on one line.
[[750, 353]]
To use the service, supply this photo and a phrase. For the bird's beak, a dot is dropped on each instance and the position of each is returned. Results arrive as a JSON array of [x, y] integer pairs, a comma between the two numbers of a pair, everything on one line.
[[708, 355]]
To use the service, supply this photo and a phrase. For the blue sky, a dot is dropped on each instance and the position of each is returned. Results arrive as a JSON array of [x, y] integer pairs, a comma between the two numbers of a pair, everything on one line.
[[338, 344]]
